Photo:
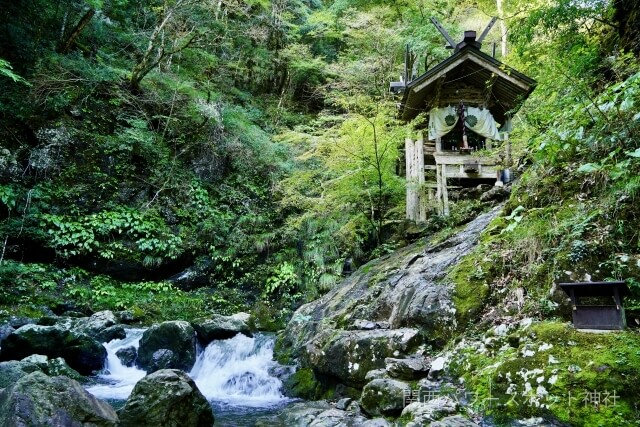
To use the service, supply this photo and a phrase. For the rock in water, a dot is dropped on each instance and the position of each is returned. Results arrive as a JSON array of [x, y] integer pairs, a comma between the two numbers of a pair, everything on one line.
[[177, 336], [81, 352], [37, 400], [166, 398], [220, 328], [127, 356]]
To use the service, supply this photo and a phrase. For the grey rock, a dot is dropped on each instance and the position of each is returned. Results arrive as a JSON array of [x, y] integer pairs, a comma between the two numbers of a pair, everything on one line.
[[166, 398], [219, 328], [5, 331], [162, 359], [337, 418], [403, 290], [127, 356], [437, 367], [454, 421], [125, 316], [407, 369], [495, 194], [376, 374], [300, 414], [13, 370], [96, 324], [350, 355], [342, 404], [177, 336], [384, 397], [37, 400], [421, 413], [115, 332], [377, 422], [81, 352], [18, 322], [242, 317], [364, 325], [53, 366]]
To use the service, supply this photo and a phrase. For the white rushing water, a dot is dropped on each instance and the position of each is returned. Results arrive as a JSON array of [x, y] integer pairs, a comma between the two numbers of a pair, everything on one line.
[[119, 379], [235, 372]]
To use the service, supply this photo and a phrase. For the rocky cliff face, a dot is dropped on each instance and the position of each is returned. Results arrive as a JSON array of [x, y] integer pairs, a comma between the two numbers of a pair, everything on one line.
[[391, 307]]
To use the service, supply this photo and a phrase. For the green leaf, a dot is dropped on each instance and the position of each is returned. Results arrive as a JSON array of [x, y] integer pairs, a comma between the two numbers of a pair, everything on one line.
[[633, 153], [589, 168]]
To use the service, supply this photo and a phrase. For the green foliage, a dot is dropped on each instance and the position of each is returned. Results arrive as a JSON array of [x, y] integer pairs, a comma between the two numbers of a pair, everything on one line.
[[140, 234], [6, 71]]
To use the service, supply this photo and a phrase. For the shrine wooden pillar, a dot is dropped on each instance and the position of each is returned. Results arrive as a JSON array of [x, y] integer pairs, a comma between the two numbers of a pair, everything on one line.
[[416, 198]]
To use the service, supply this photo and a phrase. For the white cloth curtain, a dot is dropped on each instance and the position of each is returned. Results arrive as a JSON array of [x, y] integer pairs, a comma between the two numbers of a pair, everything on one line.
[[443, 120], [483, 125]]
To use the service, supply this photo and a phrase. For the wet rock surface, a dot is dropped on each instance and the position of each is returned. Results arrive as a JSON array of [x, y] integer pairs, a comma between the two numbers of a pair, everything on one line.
[[37, 400], [352, 329], [166, 398], [80, 351], [176, 336], [220, 327]]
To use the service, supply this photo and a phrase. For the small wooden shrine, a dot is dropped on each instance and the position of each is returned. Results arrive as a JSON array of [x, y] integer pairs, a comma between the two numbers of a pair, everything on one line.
[[597, 305], [469, 98]]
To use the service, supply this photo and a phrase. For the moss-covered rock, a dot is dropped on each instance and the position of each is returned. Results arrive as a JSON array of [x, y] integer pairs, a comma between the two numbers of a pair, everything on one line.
[[303, 384], [166, 398], [81, 352], [384, 397], [178, 336], [548, 367], [40, 401]]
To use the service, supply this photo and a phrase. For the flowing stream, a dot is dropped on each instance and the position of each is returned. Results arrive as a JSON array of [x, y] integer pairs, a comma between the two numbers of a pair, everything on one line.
[[236, 376]]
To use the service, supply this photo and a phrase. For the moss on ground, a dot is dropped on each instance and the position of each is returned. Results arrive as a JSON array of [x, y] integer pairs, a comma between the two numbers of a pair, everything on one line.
[[584, 379]]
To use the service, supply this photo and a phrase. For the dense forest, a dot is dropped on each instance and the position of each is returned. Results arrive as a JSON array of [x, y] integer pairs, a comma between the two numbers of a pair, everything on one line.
[[256, 142], [177, 158]]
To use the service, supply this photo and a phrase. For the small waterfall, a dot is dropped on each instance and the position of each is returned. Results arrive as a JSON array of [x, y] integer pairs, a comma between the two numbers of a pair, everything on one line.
[[237, 372], [119, 378]]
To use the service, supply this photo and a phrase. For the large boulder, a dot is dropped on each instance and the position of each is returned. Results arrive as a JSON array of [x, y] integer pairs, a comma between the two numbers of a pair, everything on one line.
[[104, 326], [177, 336], [13, 370], [220, 327], [410, 368], [168, 397], [81, 352], [350, 355], [423, 413], [313, 414], [127, 355], [53, 367], [5, 331], [37, 400], [384, 397], [402, 291]]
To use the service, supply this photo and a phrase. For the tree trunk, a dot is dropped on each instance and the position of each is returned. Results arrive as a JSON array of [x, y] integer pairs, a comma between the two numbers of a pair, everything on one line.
[[503, 28], [627, 16], [84, 21]]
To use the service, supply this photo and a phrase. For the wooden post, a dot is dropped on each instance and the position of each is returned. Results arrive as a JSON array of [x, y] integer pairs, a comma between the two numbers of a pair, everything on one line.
[[445, 194], [421, 208], [438, 145], [412, 190], [507, 150], [439, 189]]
